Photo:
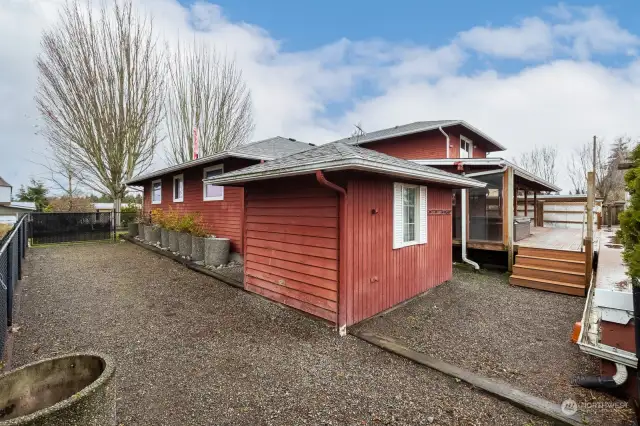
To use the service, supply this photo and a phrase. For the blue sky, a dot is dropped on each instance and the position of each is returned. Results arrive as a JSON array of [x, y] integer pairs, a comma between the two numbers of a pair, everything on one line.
[[528, 72], [304, 25]]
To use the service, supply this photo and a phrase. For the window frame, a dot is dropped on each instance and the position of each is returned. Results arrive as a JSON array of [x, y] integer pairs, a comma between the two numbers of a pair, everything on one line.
[[179, 178], [469, 142], [420, 222], [153, 182], [204, 184]]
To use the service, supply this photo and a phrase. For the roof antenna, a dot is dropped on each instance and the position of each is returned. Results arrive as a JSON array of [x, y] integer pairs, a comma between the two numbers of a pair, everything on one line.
[[359, 132]]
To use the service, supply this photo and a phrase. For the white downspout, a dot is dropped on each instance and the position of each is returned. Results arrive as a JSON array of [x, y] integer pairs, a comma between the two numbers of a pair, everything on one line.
[[446, 136]]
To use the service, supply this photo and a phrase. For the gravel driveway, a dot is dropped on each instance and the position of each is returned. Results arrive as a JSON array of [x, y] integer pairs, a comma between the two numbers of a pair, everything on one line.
[[519, 335], [193, 351]]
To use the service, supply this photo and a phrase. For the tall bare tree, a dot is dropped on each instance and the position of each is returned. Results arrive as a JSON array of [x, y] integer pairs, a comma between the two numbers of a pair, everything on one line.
[[100, 92], [541, 161], [609, 181], [206, 91]]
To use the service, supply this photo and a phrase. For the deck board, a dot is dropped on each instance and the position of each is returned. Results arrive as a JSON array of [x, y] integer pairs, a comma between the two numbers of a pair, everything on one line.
[[555, 238]]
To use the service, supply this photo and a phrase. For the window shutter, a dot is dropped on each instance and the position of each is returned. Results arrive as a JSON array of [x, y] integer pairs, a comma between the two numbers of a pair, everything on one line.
[[397, 215], [422, 217]]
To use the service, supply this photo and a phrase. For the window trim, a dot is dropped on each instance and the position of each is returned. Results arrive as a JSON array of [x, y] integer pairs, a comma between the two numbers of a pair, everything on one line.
[[153, 182], [204, 184], [470, 142], [179, 177], [416, 215], [420, 222]]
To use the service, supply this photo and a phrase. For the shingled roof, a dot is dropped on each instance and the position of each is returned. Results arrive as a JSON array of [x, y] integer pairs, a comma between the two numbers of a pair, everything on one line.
[[417, 127], [4, 182], [340, 156], [267, 149]]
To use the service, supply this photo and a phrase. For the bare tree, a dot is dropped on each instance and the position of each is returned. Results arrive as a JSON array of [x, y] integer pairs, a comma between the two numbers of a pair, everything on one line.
[[541, 161], [206, 92], [609, 181], [100, 93]]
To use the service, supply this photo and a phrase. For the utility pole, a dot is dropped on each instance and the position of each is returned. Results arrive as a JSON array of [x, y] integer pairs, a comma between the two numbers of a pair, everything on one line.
[[588, 241], [594, 153]]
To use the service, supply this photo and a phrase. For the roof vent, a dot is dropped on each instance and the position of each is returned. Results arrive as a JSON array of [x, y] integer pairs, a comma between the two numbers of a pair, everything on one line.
[[292, 140]]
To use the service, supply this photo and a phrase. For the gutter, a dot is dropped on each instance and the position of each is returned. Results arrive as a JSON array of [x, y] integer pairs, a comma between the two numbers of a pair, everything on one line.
[[446, 136], [342, 261]]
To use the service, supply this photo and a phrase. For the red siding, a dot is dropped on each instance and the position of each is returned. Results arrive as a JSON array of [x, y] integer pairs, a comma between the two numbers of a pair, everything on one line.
[[378, 276], [291, 245], [222, 218], [426, 145]]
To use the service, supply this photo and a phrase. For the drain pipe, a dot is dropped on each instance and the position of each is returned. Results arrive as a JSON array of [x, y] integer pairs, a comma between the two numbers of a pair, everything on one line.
[[447, 137], [605, 382], [342, 260], [463, 222]]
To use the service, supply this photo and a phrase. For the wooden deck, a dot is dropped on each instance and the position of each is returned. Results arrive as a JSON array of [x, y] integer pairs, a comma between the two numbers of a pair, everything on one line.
[[555, 239]]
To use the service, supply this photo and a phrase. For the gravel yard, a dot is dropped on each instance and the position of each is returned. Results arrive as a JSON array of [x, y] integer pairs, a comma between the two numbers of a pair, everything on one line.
[[193, 351], [519, 335]]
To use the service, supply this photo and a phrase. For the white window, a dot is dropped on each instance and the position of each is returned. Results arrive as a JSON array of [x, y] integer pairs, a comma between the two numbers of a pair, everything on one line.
[[178, 188], [212, 192], [156, 191], [409, 215], [466, 148]]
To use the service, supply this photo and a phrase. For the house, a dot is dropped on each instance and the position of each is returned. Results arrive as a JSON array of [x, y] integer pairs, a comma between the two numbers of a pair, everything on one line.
[[181, 187], [108, 207], [11, 211], [344, 232]]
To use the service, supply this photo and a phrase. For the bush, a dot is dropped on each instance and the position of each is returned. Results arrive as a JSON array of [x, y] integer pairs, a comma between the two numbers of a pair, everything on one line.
[[630, 218], [158, 217], [129, 214]]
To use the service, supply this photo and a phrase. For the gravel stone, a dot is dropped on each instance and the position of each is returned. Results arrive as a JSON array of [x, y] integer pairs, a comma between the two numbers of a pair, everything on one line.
[[519, 335], [190, 350]]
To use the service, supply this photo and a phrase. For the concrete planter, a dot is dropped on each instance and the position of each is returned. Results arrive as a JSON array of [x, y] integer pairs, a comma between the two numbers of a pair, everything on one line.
[[184, 242], [155, 234], [133, 229], [164, 238], [147, 233], [197, 248], [76, 389], [216, 251], [141, 230], [173, 241]]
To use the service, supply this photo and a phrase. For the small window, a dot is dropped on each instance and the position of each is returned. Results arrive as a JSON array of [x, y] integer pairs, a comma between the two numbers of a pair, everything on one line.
[[466, 148], [212, 192], [156, 191], [410, 215], [178, 188]]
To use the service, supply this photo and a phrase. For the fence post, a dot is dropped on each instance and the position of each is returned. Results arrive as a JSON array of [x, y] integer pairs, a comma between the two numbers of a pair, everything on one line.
[[9, 283], [19, 248]]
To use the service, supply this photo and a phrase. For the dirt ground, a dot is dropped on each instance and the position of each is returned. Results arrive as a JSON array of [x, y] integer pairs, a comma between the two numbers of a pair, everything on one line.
[[522, 336], [193, 351]]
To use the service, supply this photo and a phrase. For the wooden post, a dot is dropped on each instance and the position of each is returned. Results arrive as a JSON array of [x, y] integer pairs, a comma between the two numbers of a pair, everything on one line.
[[588, 241], [535, 208], [510, 217], [515, 201], [526, 203]]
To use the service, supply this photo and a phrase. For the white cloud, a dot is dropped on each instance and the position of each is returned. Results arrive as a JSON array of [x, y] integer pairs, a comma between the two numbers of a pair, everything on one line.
[[531, 39], [563, 101]]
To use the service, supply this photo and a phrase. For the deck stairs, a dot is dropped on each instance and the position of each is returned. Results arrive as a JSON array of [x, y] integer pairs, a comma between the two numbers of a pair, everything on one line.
[[559, 271]]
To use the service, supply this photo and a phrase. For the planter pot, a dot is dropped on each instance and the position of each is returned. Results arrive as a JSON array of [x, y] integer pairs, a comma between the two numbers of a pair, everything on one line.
[[141, 230], [76, 389], [197, 248], [133, 229], [154, 234], [164, 238], [216, 251], [173, 241], [147, 233], [184, 242]]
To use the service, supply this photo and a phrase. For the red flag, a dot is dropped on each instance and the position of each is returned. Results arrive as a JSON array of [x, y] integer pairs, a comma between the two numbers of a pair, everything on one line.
[[195, 143]]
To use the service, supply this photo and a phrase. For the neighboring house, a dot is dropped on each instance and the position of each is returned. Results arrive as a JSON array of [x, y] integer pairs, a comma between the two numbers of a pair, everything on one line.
[[108, 207], [343, 232], [11, 211], [181, 187]]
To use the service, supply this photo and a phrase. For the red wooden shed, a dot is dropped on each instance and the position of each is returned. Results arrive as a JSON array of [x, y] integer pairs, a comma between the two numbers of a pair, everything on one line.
[[344, 232]]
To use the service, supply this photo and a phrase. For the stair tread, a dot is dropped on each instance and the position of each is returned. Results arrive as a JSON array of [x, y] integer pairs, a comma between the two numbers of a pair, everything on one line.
[[541, 280], [542, 268], [549, 258]]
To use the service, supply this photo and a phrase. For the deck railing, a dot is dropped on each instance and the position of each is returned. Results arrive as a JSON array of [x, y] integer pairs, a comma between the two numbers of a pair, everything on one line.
[[13, 247]]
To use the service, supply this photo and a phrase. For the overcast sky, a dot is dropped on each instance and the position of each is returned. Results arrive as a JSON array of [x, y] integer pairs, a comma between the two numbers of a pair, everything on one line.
[[555, 75]]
